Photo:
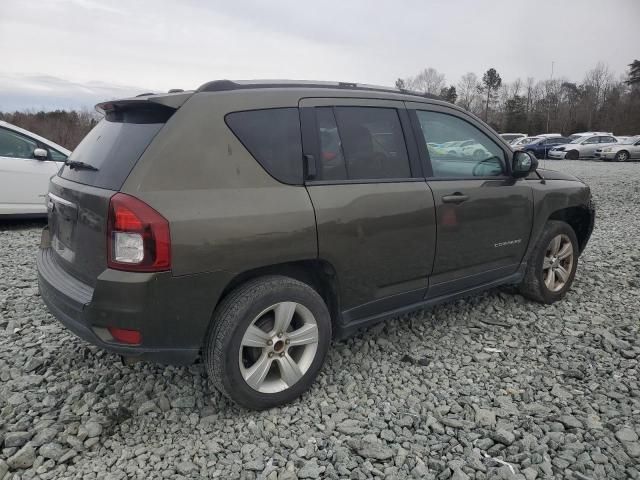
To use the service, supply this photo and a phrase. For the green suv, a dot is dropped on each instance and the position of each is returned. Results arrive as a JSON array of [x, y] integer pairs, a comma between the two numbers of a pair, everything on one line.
[[250, 223]]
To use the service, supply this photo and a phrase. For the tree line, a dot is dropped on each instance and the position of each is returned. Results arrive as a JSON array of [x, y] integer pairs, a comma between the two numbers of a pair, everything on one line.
[[600, 102], [66, 128]]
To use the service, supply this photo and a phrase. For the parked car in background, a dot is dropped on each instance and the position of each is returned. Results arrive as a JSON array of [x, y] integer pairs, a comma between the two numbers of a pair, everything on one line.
[[540, 148], [628, 149], [518, 142], [27, 162], [581, 147], [509, 137], [259, 249], [574, 136]]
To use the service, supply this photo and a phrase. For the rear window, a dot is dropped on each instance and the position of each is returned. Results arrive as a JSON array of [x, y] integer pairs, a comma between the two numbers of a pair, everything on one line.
[[272, 136], [114, 146]]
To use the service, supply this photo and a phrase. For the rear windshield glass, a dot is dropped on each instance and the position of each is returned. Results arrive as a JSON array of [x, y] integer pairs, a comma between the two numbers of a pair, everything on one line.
[[114, 146]]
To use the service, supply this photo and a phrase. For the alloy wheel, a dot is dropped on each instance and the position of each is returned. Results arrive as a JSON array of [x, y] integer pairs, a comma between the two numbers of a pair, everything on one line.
[[278, 347], [558, 262], [623, 156]]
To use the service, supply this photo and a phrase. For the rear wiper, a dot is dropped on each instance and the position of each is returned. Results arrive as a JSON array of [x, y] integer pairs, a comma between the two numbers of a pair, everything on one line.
[[80, 165]]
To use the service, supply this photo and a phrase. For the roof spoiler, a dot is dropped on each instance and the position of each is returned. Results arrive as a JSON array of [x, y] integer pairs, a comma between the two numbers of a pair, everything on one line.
[[168, 100]]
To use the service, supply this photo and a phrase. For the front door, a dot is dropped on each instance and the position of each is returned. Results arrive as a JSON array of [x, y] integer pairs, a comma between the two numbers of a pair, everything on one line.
[[375, 214], [25, 179], [484, 216]]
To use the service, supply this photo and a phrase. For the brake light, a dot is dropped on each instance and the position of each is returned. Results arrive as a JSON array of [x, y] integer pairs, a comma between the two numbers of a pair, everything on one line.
[[121, 335], [138, 237]]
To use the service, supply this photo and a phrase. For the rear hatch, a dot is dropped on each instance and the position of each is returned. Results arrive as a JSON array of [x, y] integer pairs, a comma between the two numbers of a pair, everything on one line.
[[79, 195]]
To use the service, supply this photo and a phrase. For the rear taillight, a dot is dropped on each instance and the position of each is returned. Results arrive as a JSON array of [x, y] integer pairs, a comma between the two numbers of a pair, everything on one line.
[[121, 335], [138, 238]]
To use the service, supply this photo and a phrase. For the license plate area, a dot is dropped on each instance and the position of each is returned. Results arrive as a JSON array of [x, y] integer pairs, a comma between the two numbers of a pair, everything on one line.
[[63, 218]]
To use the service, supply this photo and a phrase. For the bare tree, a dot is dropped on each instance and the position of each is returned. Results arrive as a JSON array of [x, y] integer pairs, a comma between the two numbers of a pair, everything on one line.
[[467, 90], [427, 81]]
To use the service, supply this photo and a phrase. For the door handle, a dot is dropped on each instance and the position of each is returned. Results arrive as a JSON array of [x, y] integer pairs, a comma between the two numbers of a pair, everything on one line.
[[455, 198]]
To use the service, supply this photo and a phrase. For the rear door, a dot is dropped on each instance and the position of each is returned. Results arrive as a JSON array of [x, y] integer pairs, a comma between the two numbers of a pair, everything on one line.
[[24, 178], [484, 216], [375, 214]]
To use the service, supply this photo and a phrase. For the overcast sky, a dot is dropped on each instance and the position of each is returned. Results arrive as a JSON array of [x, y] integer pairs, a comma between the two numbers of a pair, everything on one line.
[[71, 53]]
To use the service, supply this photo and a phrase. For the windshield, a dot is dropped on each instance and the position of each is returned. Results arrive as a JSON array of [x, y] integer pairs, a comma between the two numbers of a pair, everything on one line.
[[579, 140], [630, 140]]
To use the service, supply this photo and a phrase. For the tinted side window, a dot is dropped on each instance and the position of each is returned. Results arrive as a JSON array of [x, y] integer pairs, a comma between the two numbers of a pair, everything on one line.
[[361, 143], [591, 140], [272, 136], [457, 148], [607, 140], [15, 145]]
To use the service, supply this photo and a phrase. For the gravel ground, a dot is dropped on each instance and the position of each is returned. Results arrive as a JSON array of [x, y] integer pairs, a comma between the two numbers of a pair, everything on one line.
[[491, 387]]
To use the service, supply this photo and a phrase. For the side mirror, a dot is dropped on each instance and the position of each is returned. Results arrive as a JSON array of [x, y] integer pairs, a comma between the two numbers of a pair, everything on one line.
[[40, 154], [523, 163]]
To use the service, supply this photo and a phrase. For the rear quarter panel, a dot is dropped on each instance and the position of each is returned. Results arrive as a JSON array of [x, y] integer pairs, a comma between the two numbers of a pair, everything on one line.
[[226, 213]]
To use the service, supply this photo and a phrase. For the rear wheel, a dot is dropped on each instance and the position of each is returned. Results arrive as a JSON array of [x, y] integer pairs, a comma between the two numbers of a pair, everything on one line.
[[572, 155], [622, 156], [268, 341], [552, 266]]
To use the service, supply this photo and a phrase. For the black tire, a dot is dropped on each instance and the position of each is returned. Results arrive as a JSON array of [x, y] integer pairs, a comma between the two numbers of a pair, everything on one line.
[[622, 156], [231, 319], [533, 285], [572, 155]]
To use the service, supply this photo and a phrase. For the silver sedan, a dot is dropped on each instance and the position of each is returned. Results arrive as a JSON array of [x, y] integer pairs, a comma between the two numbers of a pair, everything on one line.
[[629, 149]]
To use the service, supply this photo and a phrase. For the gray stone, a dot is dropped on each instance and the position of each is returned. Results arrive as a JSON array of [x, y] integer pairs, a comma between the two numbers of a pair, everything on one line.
[[23, 458], [350, 427], [16, 439], [147, 407], [503, 436], [310, 469], [43, 436], [375, 450], [625, 434], [94, 429], [485, 417], [570, 421], [54, 451], [186, 468], [184, 402]]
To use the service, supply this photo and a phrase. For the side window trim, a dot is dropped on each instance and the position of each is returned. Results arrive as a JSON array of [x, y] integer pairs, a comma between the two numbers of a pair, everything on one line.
[[311, 140], [427, 166]]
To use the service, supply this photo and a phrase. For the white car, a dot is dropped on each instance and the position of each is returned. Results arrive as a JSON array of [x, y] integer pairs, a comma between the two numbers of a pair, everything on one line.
[[588, 134], [581, 147], [628, 149], [27, 162], [520, 142], [510, 137]]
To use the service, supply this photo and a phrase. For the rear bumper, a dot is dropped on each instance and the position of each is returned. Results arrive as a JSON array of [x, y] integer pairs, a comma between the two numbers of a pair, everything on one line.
[[172, 313]]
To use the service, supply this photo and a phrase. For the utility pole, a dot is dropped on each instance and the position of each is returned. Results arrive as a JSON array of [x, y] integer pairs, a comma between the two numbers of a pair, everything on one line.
[[548, 99]]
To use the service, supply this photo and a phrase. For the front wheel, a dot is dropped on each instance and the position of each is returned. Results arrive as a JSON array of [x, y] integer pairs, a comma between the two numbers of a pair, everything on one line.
[[267, 342], [552, 265], [572, 155], [622, 156]]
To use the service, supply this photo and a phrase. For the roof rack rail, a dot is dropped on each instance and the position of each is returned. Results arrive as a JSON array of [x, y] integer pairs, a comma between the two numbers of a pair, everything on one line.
[[227, 85]]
